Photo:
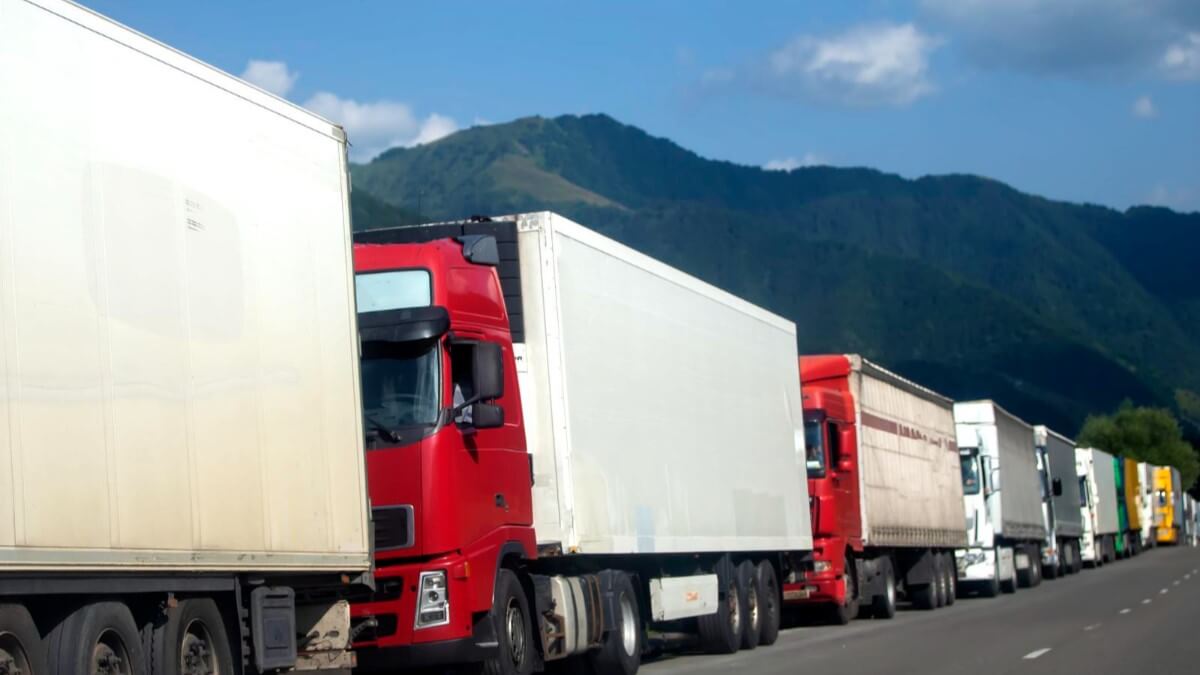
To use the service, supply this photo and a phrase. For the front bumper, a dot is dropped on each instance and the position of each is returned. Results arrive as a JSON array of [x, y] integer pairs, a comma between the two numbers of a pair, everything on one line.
[[480, 645], [824, 587], [392, 610], [975, 564]]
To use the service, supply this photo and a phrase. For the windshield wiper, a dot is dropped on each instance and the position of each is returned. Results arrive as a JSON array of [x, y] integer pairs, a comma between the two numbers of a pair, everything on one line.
[[384, 432]]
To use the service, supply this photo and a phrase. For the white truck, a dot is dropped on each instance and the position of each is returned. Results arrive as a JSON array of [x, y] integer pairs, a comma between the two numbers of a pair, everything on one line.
[[183, 484], [1005, 527], [1099, 510], [1060, 502], [1146, 500]]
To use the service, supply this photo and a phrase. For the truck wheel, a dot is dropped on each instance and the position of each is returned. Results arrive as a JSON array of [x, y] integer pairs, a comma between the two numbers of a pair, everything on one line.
[[21, 649], [96, 639], [1078, 553], [190, 640], [514, 632], [721, 631], [621, 651], [883, 605], [768, 604], [939, 583], [752, 624], [1050, 571], [951, 578], [844, 613]]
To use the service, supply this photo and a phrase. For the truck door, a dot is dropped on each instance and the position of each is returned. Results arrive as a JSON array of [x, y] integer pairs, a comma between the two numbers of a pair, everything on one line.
[[843, 461]]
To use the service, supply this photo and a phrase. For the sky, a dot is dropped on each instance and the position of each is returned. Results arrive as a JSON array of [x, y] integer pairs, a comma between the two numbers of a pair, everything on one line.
[[1083, 100]]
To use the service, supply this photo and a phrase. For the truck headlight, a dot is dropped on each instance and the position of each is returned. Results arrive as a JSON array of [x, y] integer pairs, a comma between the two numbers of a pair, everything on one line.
[[433, 600], [822, 566]]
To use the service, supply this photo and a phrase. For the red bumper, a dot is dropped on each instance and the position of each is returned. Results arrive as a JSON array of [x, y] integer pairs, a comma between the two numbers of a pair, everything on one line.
[[394, 606]]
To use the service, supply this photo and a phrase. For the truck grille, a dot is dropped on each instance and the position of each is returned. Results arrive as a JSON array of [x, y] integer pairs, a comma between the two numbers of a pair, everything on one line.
[[393, 527]]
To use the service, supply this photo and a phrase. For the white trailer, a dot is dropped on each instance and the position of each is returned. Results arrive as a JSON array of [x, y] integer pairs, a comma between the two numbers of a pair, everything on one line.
[[624, 465], [1005, 526], [1060, 502], [179, 418], [1095, 469]]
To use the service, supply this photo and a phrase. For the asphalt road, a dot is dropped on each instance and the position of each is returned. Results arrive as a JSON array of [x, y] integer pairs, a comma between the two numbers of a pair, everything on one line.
[[1132, 616]]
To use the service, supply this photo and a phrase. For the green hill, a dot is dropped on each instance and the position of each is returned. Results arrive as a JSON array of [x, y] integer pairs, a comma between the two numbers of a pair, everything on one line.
[[961, 282]]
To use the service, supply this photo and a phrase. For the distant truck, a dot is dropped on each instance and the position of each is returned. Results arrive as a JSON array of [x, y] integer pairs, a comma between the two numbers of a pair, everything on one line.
[[1169, 500], [183, 484], [1005, 526], [885, 486], [569, 442], [1060, 502], [1146, 504], [1130, 487], [1099, 511]]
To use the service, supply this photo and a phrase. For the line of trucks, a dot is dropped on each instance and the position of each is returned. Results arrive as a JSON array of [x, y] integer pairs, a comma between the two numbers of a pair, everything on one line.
[[236, 437]]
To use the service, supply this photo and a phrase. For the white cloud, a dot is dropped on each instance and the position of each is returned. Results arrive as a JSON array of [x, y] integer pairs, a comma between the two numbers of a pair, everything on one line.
[[434, 127], [1178, 198], [273, 76], [1067, 37], [790, 163], [375, 126], [880, 64], [1182, 59], [1144, 107]]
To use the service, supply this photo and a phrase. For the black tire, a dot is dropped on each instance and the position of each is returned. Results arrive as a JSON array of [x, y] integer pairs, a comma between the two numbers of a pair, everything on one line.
[[847, 611], [1078, 557], [514, 628], [101, 632], [883, 605], [20, 643], [747, 582], [770, 609], [721, 631], [939, 582], [190, 635], [621, 650], [1049, 571], [951, 578]]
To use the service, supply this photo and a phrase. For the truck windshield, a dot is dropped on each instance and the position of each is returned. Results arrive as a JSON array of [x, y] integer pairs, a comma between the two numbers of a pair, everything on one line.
[[401, 385], [814, 448], [971, 482], [394, 289]]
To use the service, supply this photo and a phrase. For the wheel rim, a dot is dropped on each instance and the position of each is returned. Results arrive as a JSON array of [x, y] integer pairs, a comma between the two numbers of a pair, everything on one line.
[[13, 659], [196, 655], [735, 610], [629, 628], [110, 656], [514, 623], [891, 590]]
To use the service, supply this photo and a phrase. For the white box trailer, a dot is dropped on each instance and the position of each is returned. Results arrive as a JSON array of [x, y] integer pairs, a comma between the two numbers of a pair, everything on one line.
[[1100, 519], [1061, 549], [1005, 520], [911, 481], [1146, 499], [178, 375], [652, 425]]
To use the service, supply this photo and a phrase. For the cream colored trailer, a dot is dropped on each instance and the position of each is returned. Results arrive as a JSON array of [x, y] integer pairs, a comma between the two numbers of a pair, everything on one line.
[[178, 367]]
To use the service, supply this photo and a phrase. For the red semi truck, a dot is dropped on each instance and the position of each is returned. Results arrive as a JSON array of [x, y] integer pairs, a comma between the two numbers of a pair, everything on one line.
[[885, 486], [568, 442]]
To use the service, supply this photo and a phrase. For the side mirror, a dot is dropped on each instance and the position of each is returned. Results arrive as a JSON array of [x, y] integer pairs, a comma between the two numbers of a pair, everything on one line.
[[488, 372], [487, 416], [1056, 487]]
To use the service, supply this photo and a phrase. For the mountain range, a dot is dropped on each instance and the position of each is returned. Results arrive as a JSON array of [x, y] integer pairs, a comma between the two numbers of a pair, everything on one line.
[[962, 283]]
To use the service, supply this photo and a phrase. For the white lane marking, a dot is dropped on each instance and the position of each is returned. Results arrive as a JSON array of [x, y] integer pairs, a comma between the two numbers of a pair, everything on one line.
[[1096, 625], [1125, 611], [1036, 653], [1146, 601], [1163, 592], [1188, 575], [1175, 583]]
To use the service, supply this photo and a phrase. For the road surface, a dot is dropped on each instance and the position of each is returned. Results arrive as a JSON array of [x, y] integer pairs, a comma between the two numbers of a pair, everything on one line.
[[1132, 616]]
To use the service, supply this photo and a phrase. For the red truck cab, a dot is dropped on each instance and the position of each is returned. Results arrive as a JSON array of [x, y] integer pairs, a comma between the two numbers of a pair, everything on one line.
[[831, 442], [448, 471]]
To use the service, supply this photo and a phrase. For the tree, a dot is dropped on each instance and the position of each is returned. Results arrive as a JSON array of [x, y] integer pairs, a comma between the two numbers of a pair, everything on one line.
[[1146, 434]]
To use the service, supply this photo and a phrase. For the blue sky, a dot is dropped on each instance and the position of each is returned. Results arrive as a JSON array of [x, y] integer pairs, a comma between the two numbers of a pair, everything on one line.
[[1083, 100]]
